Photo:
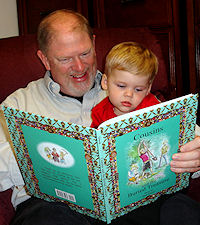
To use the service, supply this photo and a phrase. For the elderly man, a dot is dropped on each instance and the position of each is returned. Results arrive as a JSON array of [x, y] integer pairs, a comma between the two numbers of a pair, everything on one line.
[[68, 91]]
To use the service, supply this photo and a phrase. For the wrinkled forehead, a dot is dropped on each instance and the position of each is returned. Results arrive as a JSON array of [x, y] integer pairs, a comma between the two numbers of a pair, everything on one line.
[[68, 38], [69, 44]]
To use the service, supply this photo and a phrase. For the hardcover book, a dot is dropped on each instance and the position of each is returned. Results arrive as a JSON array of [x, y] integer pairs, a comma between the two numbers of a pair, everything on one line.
[[105, 172]]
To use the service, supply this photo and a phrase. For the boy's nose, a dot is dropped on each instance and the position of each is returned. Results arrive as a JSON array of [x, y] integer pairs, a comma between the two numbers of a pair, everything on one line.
[[129, 93]]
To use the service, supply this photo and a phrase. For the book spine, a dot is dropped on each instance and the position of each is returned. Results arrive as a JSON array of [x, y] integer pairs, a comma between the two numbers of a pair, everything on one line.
[[102, 157]]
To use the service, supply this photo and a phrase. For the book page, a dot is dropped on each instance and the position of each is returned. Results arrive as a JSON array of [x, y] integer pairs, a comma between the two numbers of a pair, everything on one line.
[[139, 149], [143, 159], [59, 165]]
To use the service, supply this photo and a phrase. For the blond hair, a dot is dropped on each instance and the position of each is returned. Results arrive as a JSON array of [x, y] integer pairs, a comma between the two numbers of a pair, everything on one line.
[[133, 58], [46, 29]]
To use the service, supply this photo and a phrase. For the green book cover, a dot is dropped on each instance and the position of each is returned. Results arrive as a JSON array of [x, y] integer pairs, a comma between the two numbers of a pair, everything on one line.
[[105, 172]]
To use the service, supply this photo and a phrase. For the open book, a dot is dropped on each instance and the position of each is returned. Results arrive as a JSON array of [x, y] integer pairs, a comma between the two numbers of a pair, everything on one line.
[[105, 172]]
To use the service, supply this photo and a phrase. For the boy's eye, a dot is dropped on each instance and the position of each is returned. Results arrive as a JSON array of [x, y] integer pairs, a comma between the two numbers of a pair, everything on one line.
[[138, 89], [121, 85]]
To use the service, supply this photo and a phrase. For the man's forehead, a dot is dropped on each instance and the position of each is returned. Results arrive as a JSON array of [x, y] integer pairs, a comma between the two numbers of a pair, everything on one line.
[[64, 31], [67, 45], [71, 38]]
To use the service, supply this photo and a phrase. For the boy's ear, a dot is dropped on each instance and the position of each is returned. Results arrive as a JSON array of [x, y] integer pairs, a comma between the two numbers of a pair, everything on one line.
[[104, 82], [44, 59], [149, 89]]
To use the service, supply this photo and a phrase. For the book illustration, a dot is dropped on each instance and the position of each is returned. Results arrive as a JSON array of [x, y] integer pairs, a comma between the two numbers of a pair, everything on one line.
[[163, 156], [146, 156], [145, 162], [55, 154]]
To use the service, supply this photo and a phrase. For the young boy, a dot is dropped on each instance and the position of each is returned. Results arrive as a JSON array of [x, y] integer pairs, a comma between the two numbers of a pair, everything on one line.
[[129, 73]]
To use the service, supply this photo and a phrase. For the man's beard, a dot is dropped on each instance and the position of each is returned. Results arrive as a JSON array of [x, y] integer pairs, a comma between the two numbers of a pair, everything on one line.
[[83, 88]]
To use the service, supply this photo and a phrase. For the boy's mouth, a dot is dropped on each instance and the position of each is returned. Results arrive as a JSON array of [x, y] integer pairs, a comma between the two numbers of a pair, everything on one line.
[[126, 104]]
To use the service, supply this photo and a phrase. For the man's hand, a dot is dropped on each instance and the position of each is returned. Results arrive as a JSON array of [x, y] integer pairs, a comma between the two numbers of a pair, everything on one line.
[[188, 159]]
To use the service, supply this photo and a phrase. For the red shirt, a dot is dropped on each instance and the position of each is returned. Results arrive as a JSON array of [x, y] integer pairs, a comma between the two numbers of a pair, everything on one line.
[[104, 110]]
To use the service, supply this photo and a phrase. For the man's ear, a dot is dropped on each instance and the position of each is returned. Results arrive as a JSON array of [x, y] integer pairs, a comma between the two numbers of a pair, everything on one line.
[[104, 82], [44, 59], [93, 41]]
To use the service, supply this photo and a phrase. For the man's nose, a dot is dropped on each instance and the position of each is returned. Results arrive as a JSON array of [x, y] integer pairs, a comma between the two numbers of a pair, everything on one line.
[[78, 64]]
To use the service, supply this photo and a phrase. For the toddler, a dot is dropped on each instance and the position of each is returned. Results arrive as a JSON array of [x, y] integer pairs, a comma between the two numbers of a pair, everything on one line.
[[129, 73]]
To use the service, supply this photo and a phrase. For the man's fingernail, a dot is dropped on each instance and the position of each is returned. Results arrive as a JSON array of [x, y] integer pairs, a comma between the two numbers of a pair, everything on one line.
[[175, 156]]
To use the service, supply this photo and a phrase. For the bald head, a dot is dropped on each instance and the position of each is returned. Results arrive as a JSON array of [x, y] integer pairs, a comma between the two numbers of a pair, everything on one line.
[[61, 21]]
